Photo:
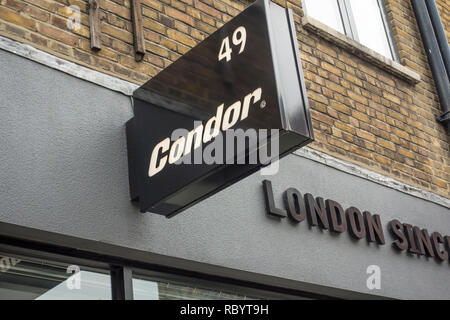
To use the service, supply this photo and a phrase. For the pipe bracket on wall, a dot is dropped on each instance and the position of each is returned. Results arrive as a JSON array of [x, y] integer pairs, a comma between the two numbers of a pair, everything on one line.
[[94, 21], [139, 44]]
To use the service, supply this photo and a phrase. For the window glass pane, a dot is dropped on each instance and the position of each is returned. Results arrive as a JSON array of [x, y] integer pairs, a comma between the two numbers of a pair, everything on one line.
[[326, 11], [162, 286], [32, 279], [370, 27], [167, 290]]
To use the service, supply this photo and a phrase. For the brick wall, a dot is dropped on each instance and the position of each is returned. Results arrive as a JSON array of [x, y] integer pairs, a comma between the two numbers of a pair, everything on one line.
[[361, 113], [444, 11]]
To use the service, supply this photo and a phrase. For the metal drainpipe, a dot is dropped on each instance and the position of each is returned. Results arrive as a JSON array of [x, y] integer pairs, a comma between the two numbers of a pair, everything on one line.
[[434, 58], [440, 33]]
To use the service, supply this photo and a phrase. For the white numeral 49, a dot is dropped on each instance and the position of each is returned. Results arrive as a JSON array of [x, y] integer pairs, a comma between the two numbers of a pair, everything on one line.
[[239, 38]]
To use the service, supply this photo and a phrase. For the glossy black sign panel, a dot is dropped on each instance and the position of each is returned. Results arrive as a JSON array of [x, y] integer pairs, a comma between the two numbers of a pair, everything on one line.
[[246, 75]]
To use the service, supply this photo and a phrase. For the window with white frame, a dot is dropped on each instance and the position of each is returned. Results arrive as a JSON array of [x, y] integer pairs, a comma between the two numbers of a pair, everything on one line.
[[362, 20]]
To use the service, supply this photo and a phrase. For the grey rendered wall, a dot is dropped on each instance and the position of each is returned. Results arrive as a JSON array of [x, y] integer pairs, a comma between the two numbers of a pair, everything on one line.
[[63, 169]]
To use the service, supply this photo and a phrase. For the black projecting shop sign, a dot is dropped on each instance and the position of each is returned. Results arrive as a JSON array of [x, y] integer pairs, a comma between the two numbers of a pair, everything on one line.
[[246, 75]]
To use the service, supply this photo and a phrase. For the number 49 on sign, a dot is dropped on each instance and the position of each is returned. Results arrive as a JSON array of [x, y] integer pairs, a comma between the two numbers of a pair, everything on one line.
[[239, 38]]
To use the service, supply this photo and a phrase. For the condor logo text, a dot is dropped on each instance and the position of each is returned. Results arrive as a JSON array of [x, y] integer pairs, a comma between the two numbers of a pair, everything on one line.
[[225, 118]]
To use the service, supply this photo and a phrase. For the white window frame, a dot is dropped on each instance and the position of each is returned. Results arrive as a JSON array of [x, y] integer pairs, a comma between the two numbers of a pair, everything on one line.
[[349, 25]]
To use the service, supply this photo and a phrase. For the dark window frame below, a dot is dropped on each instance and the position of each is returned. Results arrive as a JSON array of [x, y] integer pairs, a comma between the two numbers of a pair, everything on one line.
[[121, 270]]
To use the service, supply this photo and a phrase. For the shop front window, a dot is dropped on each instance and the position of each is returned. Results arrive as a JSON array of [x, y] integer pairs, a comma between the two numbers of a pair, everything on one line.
[[156, 286], [167, 290], [34, 279], [30, 277]]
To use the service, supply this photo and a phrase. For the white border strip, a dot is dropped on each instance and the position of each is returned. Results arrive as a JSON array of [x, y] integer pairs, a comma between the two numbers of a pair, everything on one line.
[[71, 68], [127, 88], [358, 171]]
